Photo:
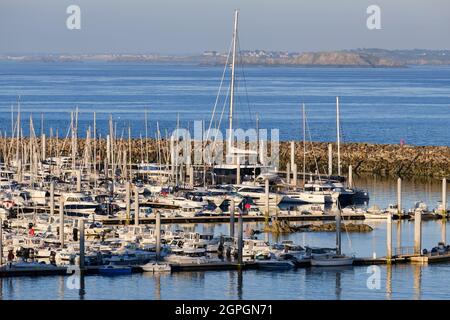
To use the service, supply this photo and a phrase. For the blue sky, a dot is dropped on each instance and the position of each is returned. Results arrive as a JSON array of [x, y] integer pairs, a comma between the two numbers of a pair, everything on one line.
[[193, 26]]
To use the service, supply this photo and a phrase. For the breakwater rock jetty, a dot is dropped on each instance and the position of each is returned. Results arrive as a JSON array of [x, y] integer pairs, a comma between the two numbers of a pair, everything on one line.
[[381, 159], [366, 159]]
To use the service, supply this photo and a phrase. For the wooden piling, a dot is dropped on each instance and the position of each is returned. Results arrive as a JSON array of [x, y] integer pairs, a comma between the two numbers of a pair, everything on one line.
[[417, 232], [350, 176]]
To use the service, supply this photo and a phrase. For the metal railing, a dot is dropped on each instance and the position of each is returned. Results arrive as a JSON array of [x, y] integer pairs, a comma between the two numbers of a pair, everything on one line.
[[404, 251]]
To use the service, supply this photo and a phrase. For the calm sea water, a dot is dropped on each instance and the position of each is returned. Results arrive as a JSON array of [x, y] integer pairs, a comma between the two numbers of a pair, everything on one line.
[[377, 105], [396, 282]]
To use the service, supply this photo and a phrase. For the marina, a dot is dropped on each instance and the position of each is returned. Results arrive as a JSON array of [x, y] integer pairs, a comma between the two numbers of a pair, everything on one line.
[[182, 181]]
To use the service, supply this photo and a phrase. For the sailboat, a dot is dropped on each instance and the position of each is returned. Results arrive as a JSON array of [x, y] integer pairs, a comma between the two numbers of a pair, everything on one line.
[[315, 195], [345, 194], [226, 170], [333, 259]]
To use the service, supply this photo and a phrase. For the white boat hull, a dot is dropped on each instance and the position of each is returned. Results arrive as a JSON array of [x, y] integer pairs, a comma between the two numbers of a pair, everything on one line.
[[334, 261]]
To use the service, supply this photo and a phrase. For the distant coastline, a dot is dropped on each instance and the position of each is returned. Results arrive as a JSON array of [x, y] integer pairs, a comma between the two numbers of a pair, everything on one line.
[[370, 58]]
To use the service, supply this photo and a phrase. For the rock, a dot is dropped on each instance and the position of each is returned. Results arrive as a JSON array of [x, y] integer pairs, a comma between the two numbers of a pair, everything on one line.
[[331, 227]]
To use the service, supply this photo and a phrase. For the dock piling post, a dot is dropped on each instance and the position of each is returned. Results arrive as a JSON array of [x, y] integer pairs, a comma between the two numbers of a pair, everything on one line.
[[288, 173], [417, 232], [330, 159], [294, 173], [292, 154], [82, 251], [191, 175], [43, 144], [350, 176], [267, 213], [61, 221], [136, 206], [232, 208], [240, 238], [389, 237], [338, 232], [238, 170], [399, 196], [444, 231], [158, 234], [444, 212], [444, 197], [79, 180]]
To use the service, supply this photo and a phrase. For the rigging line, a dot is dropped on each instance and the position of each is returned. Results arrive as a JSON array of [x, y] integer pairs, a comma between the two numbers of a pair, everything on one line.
[[245, 81], [65, 139], [221, 116], [311, 145], [218, 93]]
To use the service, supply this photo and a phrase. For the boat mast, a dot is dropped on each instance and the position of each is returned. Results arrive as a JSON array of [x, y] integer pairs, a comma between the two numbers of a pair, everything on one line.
[[236, 14], [338, 136], [304, 143]]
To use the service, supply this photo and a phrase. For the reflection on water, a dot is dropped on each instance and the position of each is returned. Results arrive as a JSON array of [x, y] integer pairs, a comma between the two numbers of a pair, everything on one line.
[[417, 272], [401, 282], [383, 190], [388, 281]]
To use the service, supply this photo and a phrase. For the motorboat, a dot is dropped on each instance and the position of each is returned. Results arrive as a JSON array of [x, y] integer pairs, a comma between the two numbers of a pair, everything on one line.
[[258, 195], [79, 204], [156, 267], [302, 197], [114, 270], [331, 260], [422, 208], [270, 262], [375, 212]]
